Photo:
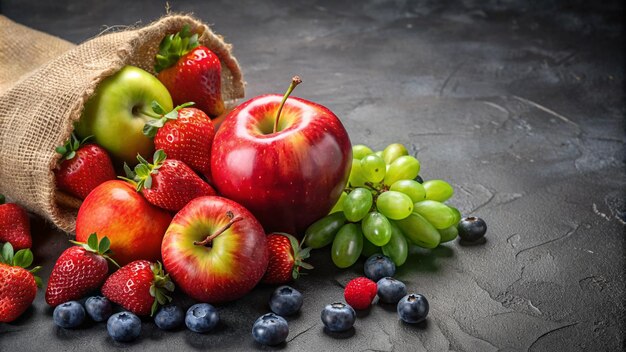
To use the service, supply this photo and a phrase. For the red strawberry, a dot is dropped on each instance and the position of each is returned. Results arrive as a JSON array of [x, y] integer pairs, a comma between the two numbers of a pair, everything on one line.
[[286, 259], [79, 270], [139, 286], [14, 225], [18, 286], [84, 167], [360, 292], [184, 134], [169, 184], [190, 72]]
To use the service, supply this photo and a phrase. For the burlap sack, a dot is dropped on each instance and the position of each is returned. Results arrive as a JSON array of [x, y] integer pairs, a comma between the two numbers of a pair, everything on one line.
[[44, 83]]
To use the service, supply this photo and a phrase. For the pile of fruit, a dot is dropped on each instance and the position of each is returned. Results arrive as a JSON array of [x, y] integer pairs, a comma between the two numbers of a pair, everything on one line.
[[178, 193]]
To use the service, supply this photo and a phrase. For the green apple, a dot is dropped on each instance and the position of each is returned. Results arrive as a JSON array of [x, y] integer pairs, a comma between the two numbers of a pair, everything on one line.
[[118, 110]]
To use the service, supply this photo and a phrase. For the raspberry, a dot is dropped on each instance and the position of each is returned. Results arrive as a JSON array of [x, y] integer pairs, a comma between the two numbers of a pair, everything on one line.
[[360, 292]]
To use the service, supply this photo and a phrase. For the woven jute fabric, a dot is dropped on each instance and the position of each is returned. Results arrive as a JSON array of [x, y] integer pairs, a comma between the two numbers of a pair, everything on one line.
[[44, 84]]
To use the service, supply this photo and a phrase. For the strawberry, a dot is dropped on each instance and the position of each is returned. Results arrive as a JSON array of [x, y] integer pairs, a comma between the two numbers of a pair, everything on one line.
[[83, 167], [167, 183], [79, 270], [360, 292], [190, 72], [18, 286], [286, 259], [184, 134], [139, 287], [14, 225]]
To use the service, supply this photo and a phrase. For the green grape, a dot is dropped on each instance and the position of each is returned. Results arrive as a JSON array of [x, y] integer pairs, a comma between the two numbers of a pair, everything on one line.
[[438, 190], [448, 234], [373, 168], [356, 177], [457, 215], [357, 204], [419, 231], [393, 152], [322, 232], [339, 205], [411, 188], [369, 248], [347, 246], [438, 214], [376, 228], [397, 249], [379, 153], [360, 150], [405, 167], [394, 205]]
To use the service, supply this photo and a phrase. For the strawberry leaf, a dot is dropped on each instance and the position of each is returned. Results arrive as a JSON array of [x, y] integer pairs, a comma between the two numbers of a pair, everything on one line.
[[129, 173], [92, 242], [105, 244], [157, 108], [71, 155], [23, 258], [147, 183], [172, 115], [7, 253], [159, 157], [173, 47], [38, 281], [61, 150], [2, 199]]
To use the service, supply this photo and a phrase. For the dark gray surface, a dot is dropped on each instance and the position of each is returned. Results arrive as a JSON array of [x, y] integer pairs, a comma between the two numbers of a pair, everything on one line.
[[519, 105]]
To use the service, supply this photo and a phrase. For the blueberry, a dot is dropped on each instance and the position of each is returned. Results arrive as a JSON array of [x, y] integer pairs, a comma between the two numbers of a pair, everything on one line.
[[124, 326], [472, 229], [201, 317], [378, 266], [390, 290], [270, 329], [338, 317], [169, 317], [413, 308], [69, 315], [98, 308], [286, 301]]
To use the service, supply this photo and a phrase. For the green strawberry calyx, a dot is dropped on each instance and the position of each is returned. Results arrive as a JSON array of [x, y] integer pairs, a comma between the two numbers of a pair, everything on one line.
[[2, 199], [23, 259], [101, 248], [141, 176], [160, 117], [161, 285], [299, 255], [175, 46], [69, 149]]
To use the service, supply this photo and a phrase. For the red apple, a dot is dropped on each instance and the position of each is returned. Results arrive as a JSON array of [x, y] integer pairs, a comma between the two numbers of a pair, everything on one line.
[[215, 250], [289, 169], [134, 226]]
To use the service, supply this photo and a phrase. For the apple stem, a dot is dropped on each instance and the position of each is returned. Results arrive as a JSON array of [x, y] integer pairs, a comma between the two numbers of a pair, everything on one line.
[[208, 239], [294, 82]]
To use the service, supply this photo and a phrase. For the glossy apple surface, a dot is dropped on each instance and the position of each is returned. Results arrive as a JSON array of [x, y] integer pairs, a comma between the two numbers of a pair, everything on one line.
[[223, 269], [118, 110], [134, 226], [289, 178]]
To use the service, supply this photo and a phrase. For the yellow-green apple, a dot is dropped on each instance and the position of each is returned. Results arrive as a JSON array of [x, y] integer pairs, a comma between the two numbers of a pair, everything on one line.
[[288, 169], [118, 110], [134, 226], [215, 250]]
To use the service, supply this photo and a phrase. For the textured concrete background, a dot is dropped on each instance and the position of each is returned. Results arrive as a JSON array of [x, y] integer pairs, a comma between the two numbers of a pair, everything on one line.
[[518, 104]]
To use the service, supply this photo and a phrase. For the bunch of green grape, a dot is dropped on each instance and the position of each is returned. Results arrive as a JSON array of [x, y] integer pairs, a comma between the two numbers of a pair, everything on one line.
[[385, 207]]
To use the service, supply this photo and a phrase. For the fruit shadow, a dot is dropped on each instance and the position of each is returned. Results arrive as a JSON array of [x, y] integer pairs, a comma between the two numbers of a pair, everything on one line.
[[463, 243], [340, 335], [207, 339], [425, 260]]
